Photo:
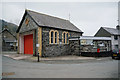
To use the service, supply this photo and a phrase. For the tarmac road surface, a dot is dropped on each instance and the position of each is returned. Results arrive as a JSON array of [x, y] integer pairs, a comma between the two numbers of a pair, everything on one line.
[[26, 69]]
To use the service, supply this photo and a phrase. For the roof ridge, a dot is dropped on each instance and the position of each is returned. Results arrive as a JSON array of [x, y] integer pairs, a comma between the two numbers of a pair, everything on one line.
[[108, 27]]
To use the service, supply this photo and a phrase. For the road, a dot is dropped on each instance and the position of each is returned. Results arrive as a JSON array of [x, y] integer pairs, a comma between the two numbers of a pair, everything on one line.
[[25, 69]]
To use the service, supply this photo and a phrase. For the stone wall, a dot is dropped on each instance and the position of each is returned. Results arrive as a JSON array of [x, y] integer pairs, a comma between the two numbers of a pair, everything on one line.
[[31, 25], [55, 49], [88, 48], [75, 47]]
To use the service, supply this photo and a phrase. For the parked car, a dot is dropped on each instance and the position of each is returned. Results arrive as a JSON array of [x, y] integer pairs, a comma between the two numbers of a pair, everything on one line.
[[116, 54]]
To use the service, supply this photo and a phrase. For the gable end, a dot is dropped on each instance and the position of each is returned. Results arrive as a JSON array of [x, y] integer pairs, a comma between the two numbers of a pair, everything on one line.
[[102, 33]]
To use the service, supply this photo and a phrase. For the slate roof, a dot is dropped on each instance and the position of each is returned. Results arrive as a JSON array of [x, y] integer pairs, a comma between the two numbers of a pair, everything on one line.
[[50, 21], [5, 29], [112, 30]]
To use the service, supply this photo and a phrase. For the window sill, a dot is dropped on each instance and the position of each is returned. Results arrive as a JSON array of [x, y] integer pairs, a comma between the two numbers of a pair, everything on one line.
[[65, 43], [53, 43], [59, 43]]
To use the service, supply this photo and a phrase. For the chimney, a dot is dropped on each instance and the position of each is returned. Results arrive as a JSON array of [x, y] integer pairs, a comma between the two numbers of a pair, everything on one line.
[[118, 27]]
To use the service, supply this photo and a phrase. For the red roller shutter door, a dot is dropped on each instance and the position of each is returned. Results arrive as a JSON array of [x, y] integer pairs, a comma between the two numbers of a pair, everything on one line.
[[28, 44]]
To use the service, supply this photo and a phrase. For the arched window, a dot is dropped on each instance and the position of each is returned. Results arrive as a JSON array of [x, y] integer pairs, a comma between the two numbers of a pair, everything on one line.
[[54, 37], [65, 37], [51, 36]]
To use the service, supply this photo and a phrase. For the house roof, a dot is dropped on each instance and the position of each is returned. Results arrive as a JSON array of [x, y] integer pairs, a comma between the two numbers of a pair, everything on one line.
[[5, 29], [53, 22], [9, 39], [112, 30]]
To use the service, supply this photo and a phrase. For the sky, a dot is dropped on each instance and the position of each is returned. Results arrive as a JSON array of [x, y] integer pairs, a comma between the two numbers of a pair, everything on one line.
[[87, 16]]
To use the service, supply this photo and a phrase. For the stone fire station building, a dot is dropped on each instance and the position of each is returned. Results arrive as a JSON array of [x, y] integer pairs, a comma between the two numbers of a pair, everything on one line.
[[44, 34]]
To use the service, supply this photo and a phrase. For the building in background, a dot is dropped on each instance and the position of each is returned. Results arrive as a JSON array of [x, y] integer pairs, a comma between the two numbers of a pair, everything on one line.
[[44, 34], [9, 41], [113, 33]]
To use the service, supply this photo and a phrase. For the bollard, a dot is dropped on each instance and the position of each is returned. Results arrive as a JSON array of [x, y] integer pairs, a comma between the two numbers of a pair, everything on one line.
[[38, 58]]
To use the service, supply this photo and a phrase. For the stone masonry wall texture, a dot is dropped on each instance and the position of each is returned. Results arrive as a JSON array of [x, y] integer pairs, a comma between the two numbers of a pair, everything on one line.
[[50, 50], [75, 47]]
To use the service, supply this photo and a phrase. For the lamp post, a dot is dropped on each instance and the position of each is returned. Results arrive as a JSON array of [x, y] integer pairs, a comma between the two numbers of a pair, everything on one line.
[[38, 58], [37, 45]]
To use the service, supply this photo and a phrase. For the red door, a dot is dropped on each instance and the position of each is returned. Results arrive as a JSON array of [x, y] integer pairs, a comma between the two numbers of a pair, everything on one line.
[[28, 44]]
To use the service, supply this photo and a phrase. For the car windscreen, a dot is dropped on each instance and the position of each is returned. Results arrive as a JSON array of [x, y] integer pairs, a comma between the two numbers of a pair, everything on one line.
[[115, 51]]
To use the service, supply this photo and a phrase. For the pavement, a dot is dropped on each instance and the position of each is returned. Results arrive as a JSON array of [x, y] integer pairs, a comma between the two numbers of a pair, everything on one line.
[[70, 59], [17, 56], [33, 58]]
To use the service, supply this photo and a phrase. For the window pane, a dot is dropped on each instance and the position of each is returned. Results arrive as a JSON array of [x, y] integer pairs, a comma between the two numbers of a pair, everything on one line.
[[51, 34], [116, 37], [64, 37], [51, 37], [51, 40], [67, 37], [55, 37]]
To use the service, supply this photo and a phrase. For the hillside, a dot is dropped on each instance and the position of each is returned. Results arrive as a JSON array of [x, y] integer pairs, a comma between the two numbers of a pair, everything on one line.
[[10, 26]]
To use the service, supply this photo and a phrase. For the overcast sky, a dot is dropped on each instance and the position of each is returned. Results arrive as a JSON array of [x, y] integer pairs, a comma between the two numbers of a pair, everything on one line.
[[87, 16]]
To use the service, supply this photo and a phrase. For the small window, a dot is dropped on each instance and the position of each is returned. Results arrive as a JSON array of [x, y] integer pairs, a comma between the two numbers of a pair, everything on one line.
[[55, 37], [27, 21], [64, 37], [52, 37], [116, 37], [116, 46]]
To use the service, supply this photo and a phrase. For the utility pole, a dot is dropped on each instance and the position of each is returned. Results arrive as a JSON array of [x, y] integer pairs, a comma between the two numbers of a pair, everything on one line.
[[69, 16], [25, 4]]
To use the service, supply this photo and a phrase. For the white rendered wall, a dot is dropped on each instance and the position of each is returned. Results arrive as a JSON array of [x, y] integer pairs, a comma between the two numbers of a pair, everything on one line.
[[114, 42], [21, 44]]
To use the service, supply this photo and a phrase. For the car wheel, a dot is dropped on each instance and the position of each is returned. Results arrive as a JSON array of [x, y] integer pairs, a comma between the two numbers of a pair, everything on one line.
[[118, 58], [113, 57]]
